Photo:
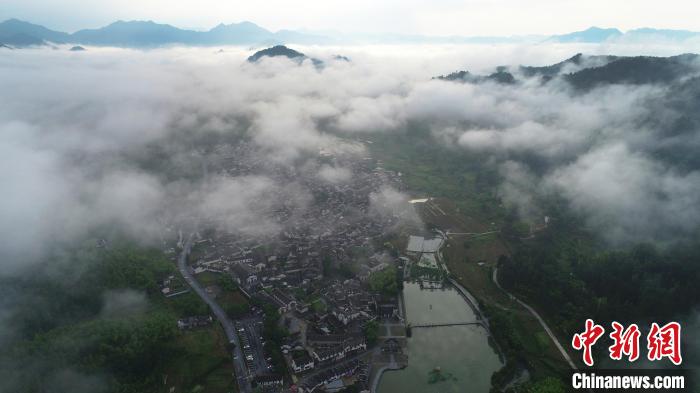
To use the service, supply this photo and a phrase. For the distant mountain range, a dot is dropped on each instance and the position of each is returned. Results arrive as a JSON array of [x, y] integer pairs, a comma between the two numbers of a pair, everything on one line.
[[592, 34], [17, 33], [598, 35]]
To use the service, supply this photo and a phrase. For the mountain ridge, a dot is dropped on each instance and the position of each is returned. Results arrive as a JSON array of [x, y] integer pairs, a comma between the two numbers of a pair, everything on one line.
[[591, 34], [139, 33], [584, 72]]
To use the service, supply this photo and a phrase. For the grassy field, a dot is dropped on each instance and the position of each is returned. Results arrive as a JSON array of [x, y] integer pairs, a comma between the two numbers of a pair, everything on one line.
[[208, 278], [226, 299], [232, 298], [431, 169], [200, 362], [203, 364]]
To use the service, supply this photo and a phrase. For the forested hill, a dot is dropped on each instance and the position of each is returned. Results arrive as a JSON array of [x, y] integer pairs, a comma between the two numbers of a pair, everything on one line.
[[276, 51], [636, 71], [291, 54], [94, 320], [569, 278], [573, 281], [584, 72]]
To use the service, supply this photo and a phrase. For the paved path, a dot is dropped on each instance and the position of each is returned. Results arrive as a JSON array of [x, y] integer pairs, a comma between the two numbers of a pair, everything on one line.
[[244, 385], [539, 318], [429, 325], [475, 234], [392, 365]]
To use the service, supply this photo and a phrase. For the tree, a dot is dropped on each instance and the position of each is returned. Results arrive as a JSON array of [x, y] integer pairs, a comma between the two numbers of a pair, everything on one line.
[[227, 284], [547, 385], [189, 304], [384, 281], [371, 331], [237, 310], [276, 334]]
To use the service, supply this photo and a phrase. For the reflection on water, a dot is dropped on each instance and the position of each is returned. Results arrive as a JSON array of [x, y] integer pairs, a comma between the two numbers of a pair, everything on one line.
[[435, 306], [442, 359]]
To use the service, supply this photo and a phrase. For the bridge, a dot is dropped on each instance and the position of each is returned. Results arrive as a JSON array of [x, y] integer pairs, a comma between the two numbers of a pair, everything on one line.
[[430, 325], [473, 234]]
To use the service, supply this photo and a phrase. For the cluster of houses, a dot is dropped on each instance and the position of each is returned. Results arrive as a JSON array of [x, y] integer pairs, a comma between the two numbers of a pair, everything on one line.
[[331, 377], [334, 348], [333, 312], [332, 332], [290, 268], [194, 322], [269, 382], [332, 341]]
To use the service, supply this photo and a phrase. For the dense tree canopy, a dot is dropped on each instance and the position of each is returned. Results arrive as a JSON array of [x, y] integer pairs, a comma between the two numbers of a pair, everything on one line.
[[573, 281], [64, 335], [384, 281]]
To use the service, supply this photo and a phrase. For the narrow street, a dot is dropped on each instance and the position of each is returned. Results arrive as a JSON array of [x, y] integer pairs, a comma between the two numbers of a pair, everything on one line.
[[244, 384]]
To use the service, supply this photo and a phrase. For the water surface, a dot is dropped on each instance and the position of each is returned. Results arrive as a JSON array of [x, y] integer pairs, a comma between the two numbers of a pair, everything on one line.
[[462, 353]]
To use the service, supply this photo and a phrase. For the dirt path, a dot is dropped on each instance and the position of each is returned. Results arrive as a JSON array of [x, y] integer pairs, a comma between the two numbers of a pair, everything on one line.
[[539, 318]]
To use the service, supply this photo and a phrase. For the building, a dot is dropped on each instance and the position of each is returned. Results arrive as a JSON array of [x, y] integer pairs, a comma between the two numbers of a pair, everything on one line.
[[301, 361], [328, 355], [418, 244], [356, 344], [334, 347], [268, 381], [245, 274], [285, 302], [194, 322]]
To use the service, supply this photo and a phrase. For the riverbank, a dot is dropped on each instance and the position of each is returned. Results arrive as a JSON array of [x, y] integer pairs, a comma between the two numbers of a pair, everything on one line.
[[460, 205], [462, 352], [376, 376], [518, 334], [470, 253]]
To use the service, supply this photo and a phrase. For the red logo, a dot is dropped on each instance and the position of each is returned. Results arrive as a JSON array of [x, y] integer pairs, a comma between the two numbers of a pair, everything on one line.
[[662, 342], [626, 341], [665, 342], [587, 339]]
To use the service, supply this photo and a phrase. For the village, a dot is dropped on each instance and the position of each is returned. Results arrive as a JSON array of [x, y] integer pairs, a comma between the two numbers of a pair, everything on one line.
[[330, 282]]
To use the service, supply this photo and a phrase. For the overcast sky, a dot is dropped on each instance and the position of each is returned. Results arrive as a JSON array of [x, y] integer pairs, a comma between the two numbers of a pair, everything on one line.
[[430, 17]]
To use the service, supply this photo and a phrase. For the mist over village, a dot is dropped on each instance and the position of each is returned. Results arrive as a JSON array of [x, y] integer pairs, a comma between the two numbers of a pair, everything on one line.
[[251, 209]]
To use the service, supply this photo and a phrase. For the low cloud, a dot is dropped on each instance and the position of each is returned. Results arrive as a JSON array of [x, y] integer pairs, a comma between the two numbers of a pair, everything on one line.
[[69, 380], [629, 195], [127, 139], [148, 142], [123, 303], [334, 174], [391, 203], [600, 150]]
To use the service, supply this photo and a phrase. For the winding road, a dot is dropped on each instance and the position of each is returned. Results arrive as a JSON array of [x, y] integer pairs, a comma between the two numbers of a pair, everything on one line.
[[539, 318], [244, 385]]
